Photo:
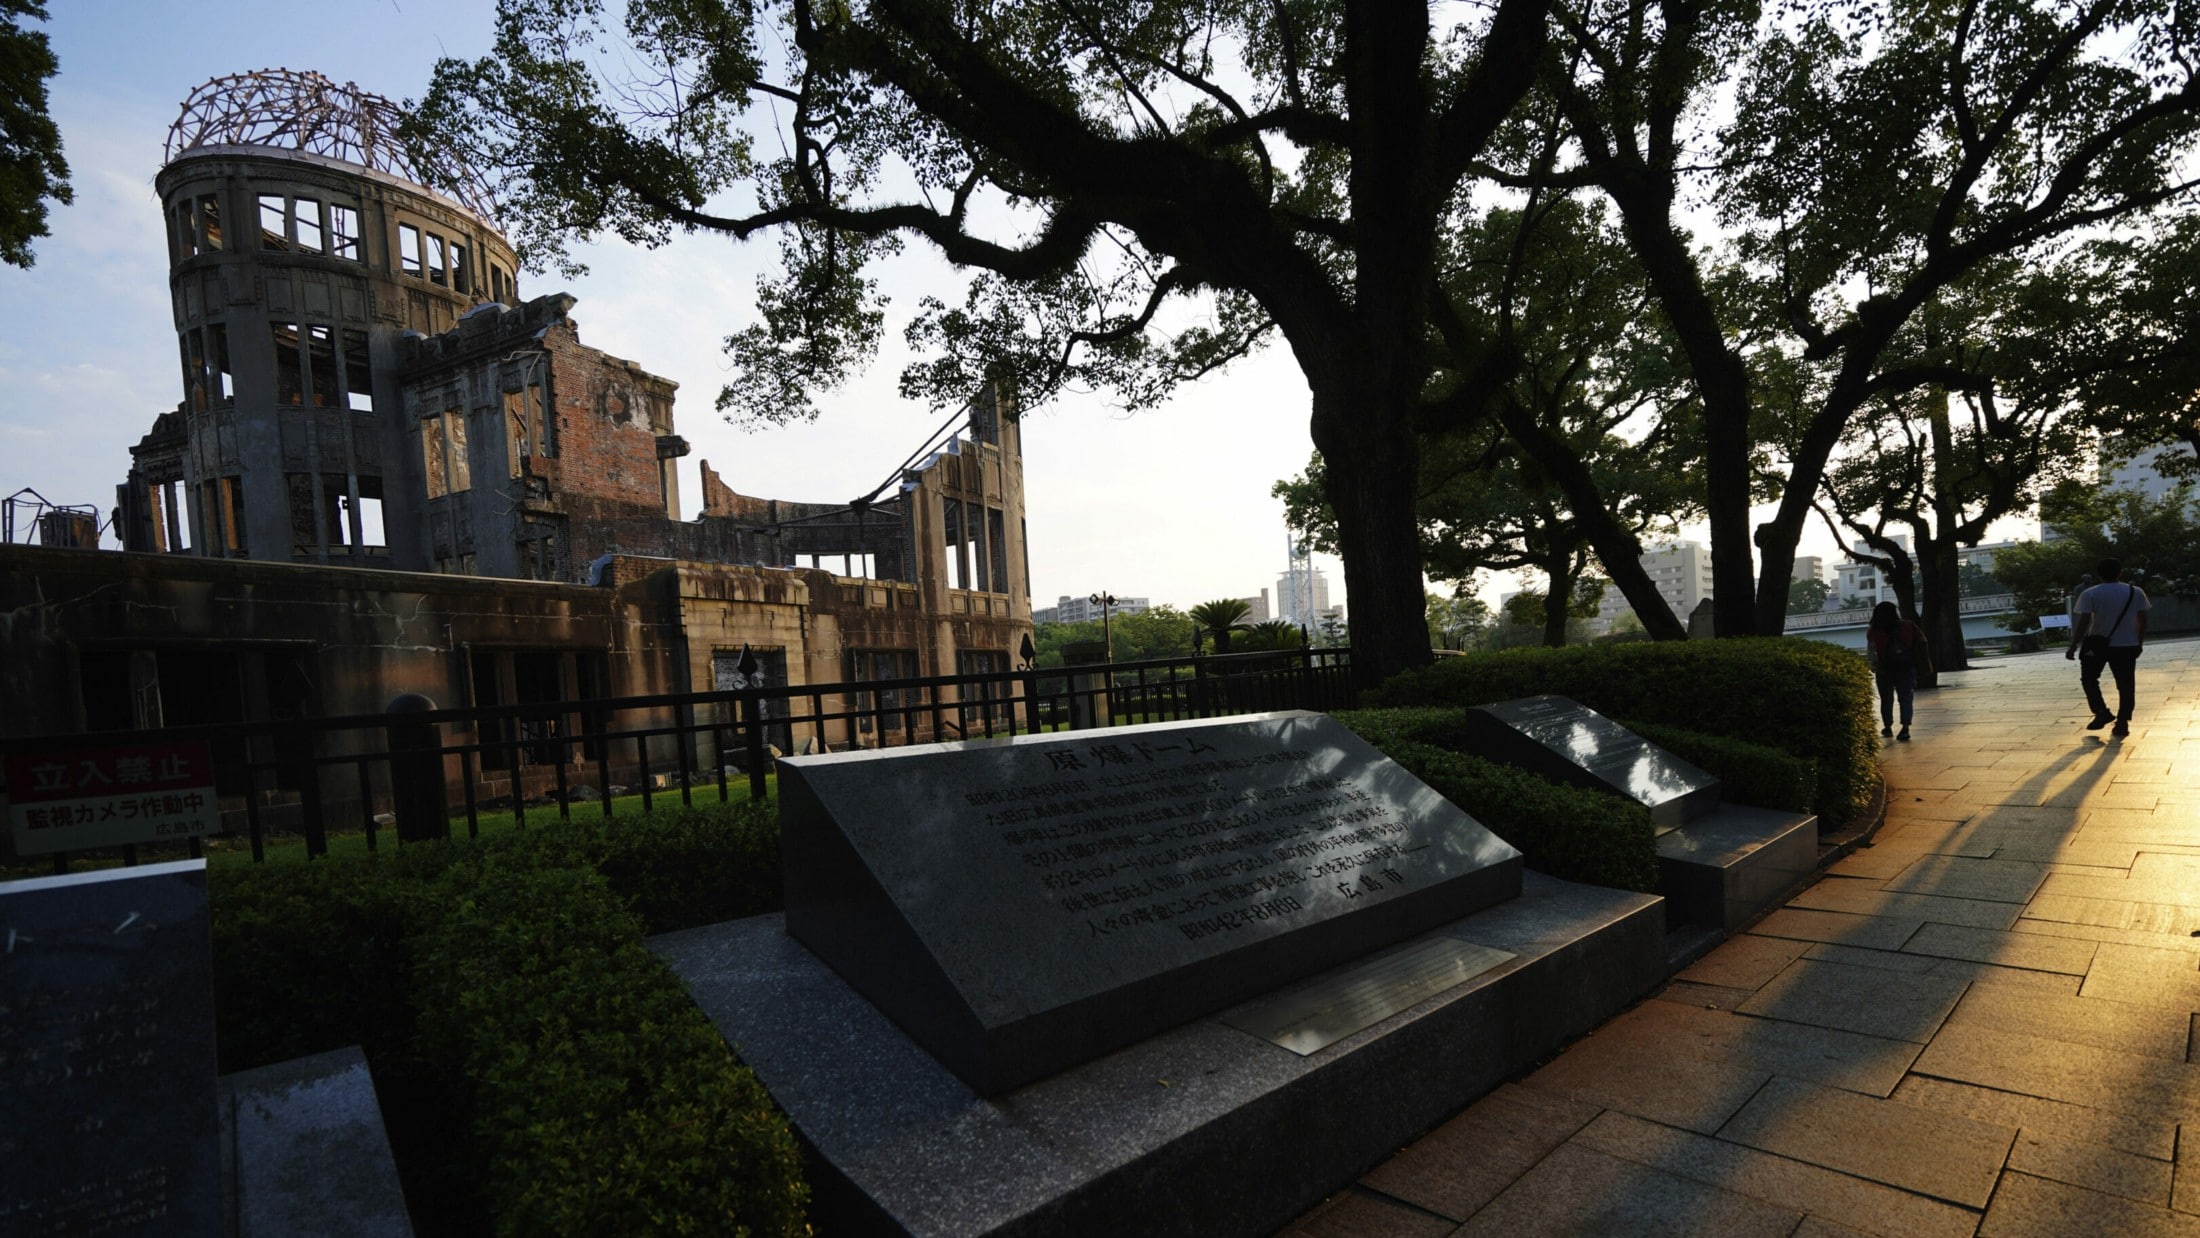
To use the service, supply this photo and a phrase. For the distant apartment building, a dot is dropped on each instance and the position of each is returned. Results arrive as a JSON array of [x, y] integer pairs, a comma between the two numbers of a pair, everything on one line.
[[1682, 573], [2144, 471], [1808, 567], [1080, 609], [1857, 577], [1256, 608]]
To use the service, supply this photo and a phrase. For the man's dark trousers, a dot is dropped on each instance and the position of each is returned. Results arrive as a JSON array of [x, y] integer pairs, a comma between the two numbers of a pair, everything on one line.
[[2122, 661]]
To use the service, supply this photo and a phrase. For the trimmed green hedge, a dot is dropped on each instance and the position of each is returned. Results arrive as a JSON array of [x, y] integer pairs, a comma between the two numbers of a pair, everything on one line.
[[1564, 831], [1748, 773], [1807, 698], [540, 1071]]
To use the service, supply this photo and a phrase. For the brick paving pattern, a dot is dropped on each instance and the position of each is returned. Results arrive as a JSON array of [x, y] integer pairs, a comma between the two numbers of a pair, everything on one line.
[[1982, 1023]]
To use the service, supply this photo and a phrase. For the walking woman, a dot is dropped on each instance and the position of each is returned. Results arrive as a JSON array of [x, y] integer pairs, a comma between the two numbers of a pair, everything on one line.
[[1893, 645]]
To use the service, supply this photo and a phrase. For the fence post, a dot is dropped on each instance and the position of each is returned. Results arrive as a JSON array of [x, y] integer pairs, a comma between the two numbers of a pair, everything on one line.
[[752, 741], [416, 772]]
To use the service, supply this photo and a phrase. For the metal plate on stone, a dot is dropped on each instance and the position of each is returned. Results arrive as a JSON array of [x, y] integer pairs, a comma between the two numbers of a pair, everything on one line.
[[1310, 1017]]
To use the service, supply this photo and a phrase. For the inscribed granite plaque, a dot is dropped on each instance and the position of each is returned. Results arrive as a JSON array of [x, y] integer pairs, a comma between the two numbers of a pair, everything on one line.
[[1571, 743], [1022, 905], [107, 1101]]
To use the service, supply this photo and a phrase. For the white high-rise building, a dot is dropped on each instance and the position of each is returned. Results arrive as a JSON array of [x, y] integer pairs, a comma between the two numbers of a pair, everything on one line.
[[1682, 572], [1302, 595]]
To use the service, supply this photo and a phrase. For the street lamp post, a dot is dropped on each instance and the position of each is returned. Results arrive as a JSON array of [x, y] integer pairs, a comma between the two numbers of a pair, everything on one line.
[[1106, 603]]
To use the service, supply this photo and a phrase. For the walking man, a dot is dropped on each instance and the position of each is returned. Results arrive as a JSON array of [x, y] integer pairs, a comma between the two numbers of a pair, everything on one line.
[[2109, 626]]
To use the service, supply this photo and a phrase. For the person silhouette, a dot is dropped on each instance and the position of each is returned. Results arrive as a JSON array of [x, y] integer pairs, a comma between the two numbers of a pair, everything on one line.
[[2108, 627]]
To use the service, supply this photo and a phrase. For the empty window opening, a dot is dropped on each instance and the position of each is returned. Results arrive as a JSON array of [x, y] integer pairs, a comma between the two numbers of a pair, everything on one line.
[[367, 515], [443, 454], [172, 531], [459, 279], [438, 272], [210, 224], [193, 348], [183, 235], [518, 435], [273, 234], [321, 362], [221, 381], [540, 426], [996, 541], [958, 568], [408, 249], [218, 515], [343, 233], [358, 372], [871, 666], [305, 223], [290, 379]]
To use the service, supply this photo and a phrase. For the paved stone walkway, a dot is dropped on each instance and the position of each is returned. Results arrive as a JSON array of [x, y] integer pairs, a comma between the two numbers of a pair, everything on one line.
[[1982, 1023]]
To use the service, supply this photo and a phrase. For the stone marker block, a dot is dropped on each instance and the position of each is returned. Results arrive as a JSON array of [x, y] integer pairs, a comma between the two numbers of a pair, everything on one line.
[[107, 1109], [1571, 743], [311, 1155], [1022, 905]]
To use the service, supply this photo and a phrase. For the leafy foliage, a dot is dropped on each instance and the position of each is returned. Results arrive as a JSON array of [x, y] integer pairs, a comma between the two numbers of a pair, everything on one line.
[[32, 170], [1808, 597], [1157, 632], [1807, 698], [539, 1070], [2156, 539]]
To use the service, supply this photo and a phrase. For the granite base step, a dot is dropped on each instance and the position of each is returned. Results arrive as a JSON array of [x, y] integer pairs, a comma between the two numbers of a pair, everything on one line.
[[1731, 865], [304, 1152], [1203, 1130]]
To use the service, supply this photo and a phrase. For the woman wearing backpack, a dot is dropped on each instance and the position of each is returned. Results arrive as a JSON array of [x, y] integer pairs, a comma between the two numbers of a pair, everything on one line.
[[1893, 645]]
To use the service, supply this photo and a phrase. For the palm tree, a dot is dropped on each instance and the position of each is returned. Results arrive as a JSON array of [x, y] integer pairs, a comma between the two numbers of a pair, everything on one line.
[[1274, 635], [1221, 617]]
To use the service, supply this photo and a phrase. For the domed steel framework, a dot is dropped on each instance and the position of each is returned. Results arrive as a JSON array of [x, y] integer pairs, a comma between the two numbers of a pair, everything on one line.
[[308, 112]]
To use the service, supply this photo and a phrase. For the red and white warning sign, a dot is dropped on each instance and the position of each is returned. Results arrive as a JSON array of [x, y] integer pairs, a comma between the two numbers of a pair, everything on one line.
[[77, 798]]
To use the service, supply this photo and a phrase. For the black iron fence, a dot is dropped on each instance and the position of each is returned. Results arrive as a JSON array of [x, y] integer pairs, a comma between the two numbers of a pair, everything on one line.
[[417, 771]]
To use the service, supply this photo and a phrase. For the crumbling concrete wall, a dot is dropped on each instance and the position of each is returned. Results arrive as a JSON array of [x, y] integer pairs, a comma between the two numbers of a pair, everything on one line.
[[570, 451]]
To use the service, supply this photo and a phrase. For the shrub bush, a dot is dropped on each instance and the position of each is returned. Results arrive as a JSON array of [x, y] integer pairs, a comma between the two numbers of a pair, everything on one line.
[[602, 1101], [539, 1070], [1805, 697], [1748, 773], [1563, 831]]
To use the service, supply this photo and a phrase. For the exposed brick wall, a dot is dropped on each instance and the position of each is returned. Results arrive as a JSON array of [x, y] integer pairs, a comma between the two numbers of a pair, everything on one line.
[[719, 499]]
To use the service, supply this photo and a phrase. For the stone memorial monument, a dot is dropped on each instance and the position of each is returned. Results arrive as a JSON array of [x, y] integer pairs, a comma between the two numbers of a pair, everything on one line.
[[107, 1093], [1719, 865], [1022, 905], [1571, 743]]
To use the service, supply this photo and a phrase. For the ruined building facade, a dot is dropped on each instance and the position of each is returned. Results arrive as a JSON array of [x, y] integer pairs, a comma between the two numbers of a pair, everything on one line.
[[418, 482]]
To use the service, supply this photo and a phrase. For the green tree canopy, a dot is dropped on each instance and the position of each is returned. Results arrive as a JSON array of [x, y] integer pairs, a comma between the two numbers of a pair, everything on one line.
[[1140, 193], [32, 171], [2156, 539], [1877, 156], [1808, 597]]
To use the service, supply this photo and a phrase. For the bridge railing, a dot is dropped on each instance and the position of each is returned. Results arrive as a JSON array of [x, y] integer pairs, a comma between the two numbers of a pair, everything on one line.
[[1985, 604]]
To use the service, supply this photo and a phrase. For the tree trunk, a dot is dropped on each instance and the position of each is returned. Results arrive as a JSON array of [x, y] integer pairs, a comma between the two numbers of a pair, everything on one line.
[[1367, 386], [1616, 547], [1942, 609], [1943, 592], [1372, 461], [1557, 598]]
